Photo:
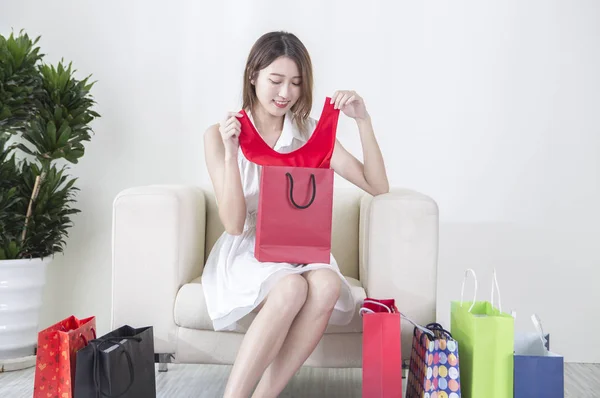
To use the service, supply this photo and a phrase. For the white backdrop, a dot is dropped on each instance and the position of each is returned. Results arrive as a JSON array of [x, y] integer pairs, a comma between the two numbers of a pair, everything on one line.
[[491, 108]]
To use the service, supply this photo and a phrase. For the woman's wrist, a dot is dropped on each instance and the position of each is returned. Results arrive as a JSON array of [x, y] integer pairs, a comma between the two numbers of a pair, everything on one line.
[[364, 121], [364, 124], [230, 157]]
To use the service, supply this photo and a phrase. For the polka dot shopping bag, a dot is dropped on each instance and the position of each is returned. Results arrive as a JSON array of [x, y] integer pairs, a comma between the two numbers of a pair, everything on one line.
[[434, 367]]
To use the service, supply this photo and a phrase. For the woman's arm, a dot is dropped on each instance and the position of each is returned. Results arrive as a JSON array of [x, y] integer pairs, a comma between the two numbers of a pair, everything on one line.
[[224, 172], [370, 176]]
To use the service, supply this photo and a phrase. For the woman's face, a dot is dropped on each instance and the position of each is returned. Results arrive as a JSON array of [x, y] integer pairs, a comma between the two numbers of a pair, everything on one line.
[[278, 86]]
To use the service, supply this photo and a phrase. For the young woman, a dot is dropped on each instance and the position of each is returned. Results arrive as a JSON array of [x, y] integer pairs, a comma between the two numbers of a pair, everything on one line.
[[294, 304]]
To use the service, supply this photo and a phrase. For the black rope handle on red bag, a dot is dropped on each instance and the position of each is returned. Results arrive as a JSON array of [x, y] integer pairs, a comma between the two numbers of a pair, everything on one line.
[[314, 191], [85, 341]]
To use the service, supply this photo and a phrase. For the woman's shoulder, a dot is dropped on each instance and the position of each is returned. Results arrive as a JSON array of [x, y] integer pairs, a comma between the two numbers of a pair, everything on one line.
[[212, 131], [212, 137]]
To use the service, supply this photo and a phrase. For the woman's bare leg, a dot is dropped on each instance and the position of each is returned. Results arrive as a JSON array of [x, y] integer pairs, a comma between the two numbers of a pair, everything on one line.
[[304, 334], [266, 334]]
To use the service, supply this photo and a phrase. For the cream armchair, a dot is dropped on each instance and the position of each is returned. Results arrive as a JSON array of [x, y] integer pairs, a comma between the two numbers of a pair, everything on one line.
[[386, 246]]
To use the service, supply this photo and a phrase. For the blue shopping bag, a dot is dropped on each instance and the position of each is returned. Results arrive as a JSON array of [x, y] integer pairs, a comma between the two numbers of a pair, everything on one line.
[[538, 371]]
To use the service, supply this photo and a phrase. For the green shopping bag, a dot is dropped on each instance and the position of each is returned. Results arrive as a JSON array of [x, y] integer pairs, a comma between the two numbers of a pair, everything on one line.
[[485, 337]]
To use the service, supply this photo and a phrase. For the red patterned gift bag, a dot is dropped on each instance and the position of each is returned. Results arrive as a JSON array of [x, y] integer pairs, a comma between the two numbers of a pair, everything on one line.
[[55, 357]]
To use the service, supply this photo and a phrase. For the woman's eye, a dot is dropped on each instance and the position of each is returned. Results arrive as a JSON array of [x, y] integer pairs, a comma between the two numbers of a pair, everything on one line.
[[275, 82]]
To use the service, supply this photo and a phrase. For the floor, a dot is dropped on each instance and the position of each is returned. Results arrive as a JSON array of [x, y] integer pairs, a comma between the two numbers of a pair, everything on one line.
[[208, 381]]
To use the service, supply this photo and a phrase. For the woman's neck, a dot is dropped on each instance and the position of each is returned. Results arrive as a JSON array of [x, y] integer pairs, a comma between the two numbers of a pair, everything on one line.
[[268, 126]]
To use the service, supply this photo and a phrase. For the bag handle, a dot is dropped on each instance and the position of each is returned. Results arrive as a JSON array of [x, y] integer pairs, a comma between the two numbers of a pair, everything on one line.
[[462, 289], [314, 191], [364, 310], [436, 326], [421, 328], [85, 341], [538, 327], [495, 284], [96, 369]]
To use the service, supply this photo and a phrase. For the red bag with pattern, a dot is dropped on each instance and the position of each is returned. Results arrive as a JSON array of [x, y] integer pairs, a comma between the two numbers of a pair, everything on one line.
[[56, 353], [295, 205]]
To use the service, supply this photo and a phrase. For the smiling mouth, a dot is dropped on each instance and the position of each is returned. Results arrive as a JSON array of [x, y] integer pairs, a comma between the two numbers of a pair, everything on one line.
[[281, 104]]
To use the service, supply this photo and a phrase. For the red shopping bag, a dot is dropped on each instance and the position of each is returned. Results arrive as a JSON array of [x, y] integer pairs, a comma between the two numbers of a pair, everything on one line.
[[55, 357], [294, 215], [381, 351]]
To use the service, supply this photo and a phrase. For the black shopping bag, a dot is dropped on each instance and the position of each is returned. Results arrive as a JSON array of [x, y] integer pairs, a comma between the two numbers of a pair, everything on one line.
[[118, 364]]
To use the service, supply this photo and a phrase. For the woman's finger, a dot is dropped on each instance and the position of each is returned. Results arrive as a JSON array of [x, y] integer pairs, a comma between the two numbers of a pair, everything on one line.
[[333, 97], [230, 121], [342, 100], [350, 100], [232, 128], [229, 134], [230, 116], [337, 99]]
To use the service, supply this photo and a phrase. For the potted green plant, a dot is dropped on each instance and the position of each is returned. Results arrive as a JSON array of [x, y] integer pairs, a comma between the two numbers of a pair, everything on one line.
[[45, 116]]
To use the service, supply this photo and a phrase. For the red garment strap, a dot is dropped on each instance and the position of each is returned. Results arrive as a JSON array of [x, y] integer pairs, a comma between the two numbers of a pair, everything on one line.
[[316, 152]]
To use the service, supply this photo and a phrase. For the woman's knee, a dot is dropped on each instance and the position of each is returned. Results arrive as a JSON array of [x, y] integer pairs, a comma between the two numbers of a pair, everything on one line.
[[324, 288], [289, 293]]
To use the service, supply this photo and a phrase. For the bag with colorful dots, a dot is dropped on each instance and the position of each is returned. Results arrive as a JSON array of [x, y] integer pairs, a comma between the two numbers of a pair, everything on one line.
[[434, 369]]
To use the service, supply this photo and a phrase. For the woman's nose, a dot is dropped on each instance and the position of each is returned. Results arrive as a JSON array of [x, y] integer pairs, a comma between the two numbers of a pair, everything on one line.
[[283, 91]]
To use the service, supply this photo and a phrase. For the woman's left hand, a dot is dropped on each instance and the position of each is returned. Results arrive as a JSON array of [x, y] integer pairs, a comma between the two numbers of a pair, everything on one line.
[[350, 103]]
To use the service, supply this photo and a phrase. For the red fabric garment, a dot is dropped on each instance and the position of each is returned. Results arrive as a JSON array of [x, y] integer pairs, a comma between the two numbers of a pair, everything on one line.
[[316, 152]]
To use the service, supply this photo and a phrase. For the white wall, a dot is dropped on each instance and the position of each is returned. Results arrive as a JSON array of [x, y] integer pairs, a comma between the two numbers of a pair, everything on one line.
[[489, 107]]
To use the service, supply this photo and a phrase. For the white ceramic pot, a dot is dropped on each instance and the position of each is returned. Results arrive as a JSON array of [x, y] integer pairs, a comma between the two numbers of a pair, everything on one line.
[[21, 287]]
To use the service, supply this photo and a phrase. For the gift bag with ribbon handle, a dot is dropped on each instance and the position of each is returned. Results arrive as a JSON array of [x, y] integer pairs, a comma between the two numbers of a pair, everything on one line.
[[485, 336], [56, 356], [381, 350], [295, 205]]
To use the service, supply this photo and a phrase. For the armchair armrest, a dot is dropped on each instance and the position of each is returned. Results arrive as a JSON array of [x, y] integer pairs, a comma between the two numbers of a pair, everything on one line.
[[398, 244], [158, 245]]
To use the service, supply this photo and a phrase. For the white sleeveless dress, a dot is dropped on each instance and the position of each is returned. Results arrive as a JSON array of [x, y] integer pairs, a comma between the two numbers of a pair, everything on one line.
[[234, 282]]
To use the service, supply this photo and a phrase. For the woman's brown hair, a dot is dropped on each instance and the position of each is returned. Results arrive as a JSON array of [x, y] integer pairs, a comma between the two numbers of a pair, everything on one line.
[[267, 49]]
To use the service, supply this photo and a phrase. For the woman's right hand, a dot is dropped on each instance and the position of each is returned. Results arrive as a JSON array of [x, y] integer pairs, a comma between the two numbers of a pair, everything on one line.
[[230, 129]]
